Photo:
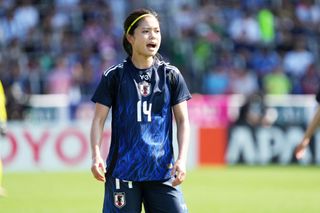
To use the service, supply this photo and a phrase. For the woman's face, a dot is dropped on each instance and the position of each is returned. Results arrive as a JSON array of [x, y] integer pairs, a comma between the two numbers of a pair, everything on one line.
[[146, 39]]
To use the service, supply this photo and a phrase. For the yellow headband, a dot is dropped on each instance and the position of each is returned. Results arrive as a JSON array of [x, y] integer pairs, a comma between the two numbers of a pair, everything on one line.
[[135, 21]]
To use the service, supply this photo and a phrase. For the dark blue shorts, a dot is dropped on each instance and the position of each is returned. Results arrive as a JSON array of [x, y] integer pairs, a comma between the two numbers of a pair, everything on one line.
[[156, 196]]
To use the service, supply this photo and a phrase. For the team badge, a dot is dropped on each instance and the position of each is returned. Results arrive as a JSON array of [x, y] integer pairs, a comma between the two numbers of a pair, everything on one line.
[[144, 88], [119, 199]]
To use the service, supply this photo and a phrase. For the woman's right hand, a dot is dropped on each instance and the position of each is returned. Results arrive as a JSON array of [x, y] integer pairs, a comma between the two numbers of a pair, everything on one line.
[[98, 168]]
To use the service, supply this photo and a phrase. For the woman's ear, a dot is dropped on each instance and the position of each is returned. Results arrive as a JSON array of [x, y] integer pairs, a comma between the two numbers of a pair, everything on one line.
[[129, 38]]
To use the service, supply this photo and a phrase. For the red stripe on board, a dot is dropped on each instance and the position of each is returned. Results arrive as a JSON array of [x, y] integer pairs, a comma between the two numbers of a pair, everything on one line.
[[212, 145]]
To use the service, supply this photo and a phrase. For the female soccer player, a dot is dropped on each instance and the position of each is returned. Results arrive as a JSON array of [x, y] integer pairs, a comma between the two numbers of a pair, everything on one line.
[[3, 123], [142, 92], [300, 150]]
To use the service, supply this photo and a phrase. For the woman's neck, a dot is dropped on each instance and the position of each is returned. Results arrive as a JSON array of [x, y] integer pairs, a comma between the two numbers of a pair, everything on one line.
[[142, 62]]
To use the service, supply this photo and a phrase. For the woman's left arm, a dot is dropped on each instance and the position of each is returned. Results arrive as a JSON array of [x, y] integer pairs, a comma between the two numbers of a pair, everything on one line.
[[183, 133]]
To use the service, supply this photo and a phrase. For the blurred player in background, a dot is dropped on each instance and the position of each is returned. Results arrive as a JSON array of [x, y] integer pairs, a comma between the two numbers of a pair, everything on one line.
[[314, 123], [143, 91], [3, 129]]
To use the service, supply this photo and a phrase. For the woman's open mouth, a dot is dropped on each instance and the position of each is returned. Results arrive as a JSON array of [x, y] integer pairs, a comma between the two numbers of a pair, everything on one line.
[[152, 46]]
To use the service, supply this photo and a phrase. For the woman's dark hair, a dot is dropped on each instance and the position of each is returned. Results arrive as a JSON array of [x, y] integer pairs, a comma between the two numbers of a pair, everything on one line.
[[127, 23]]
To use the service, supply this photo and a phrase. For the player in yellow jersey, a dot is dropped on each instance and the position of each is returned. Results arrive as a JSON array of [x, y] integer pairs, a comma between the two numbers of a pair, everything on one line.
[[3, 127]]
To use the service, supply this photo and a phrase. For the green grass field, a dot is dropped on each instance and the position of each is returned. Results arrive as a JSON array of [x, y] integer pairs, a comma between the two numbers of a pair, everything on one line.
[[236, 189]]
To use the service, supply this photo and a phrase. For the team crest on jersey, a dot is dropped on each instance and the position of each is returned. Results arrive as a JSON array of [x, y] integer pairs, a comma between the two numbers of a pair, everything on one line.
[[119, 199], [144, 88]]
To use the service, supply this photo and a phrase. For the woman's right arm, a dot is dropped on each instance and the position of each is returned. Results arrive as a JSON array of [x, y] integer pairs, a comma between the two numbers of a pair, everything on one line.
[[98, 168]]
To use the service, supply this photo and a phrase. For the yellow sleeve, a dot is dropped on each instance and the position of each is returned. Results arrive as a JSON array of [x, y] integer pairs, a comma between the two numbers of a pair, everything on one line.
[[3, 112]]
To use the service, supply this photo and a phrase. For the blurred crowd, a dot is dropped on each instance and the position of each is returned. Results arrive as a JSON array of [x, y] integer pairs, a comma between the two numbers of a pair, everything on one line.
[[220, 46]]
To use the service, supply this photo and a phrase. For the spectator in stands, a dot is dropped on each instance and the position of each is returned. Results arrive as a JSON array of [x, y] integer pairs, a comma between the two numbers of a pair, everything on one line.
[[26, 16], [243, 81], [266, 22], [264, 60], [216, 81], [245, 31], [185, 20], [60, 78], [8, 28], [308, 14], [17, 90], [310, 81], [276, 82], [296, 62]]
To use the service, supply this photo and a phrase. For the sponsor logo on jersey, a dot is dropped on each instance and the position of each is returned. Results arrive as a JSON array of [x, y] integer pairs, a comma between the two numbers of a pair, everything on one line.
[[119, 199], [144, 88], [145, 76]]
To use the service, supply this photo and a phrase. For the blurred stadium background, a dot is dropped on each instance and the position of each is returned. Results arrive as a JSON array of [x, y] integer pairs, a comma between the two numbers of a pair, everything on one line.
[[251, 65]]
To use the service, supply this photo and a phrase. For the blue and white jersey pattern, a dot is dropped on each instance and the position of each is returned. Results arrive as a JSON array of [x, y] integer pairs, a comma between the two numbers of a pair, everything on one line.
[[141, 100]]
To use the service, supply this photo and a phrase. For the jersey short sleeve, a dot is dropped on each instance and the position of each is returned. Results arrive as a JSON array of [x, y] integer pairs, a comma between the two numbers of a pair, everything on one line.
[[106, 89], [179, 88]]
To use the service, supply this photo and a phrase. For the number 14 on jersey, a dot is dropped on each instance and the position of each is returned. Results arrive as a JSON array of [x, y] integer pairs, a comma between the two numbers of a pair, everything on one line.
[[145, 109]]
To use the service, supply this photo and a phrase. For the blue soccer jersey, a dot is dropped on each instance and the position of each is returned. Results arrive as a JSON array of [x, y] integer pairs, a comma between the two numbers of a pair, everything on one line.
[[141, 100]]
